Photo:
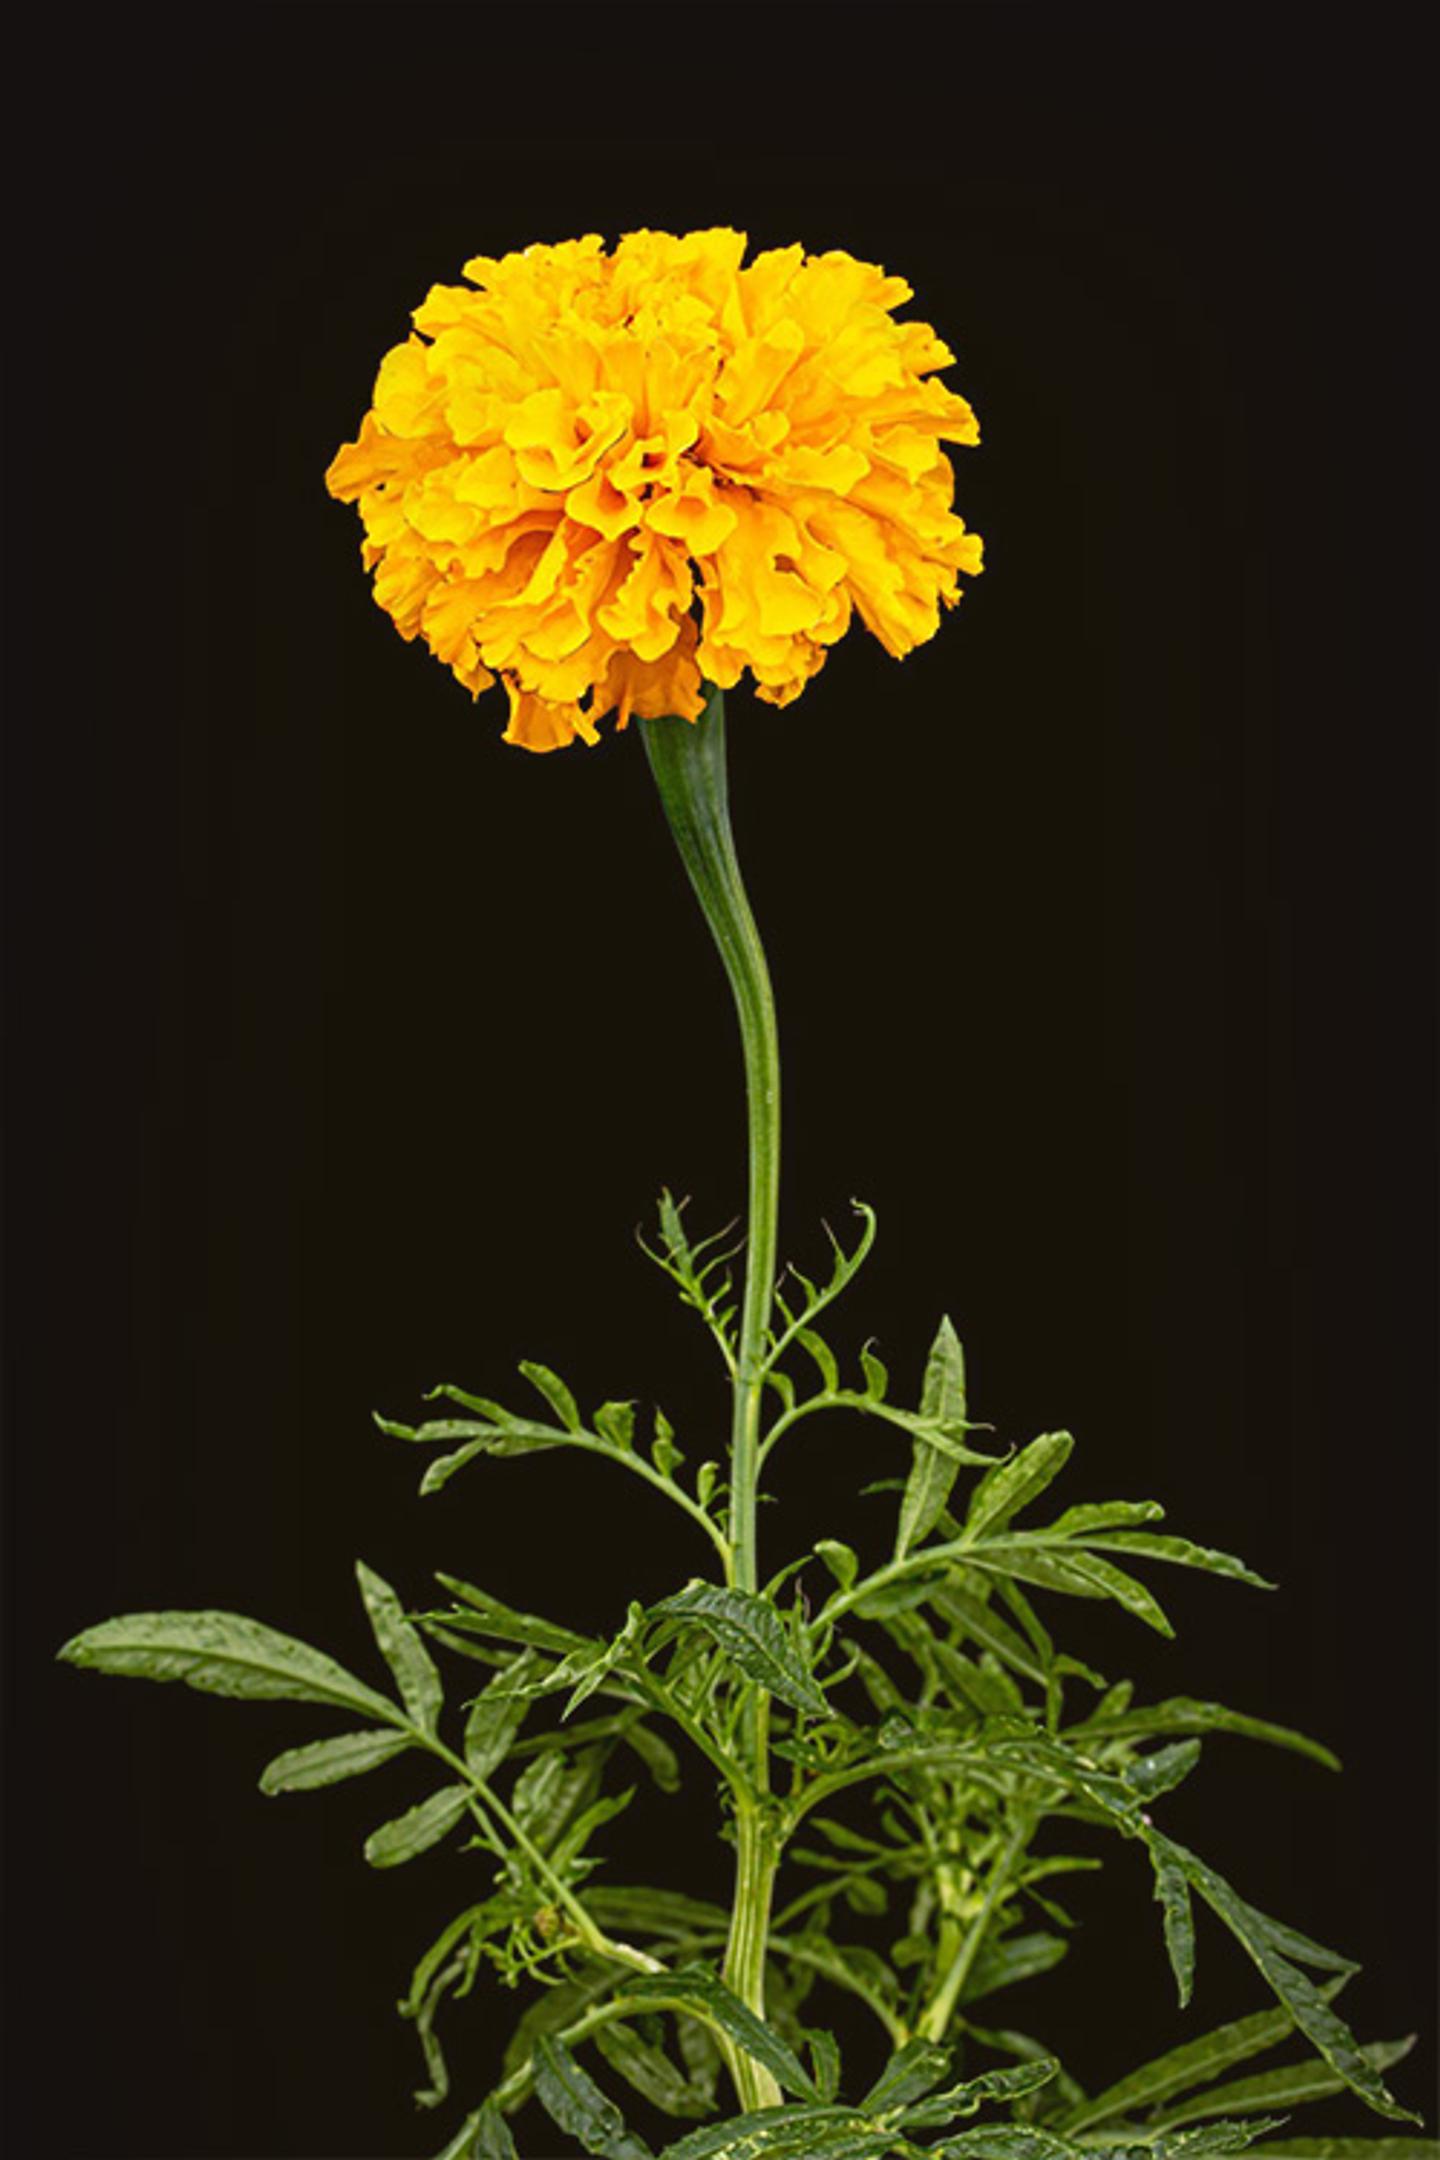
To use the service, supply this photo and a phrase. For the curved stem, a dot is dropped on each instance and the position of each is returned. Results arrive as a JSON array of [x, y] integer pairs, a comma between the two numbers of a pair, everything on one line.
[[688, 762]]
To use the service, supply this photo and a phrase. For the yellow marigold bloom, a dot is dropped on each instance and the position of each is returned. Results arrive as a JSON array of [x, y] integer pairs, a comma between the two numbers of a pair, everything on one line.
[[601, 478]]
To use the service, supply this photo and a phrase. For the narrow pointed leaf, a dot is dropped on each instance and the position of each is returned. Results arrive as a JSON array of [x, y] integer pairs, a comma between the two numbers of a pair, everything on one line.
[[1182, 1714], [326, 1762], [511, 1626], [1151, 1775], [912, 2071], [1288, 2087], [1193, 2064], [1156, 1545], [650, 2071], [496, 1717], [571, 2098], [694, 1985], [1172, 1888], [1307, 2005], [222, 1653], [418, 1829], [492, 2135], [555, 1392], [932, 1469], [403, 1650], [1012, 1485]]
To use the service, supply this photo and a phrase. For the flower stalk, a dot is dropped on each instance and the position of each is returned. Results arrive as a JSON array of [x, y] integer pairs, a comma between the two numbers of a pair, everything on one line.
[[688, 762]]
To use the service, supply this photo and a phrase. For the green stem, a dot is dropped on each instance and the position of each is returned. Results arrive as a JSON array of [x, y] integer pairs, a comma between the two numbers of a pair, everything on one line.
[[688, 762], [934, 2021]]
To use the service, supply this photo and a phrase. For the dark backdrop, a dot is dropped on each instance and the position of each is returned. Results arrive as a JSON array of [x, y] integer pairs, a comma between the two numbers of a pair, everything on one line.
[[347, 1045]]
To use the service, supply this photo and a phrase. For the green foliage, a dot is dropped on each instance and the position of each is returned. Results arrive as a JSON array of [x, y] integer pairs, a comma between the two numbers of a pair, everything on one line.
[[941, 1768]]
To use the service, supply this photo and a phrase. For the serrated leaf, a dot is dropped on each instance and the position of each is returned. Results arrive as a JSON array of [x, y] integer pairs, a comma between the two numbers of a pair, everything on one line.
[[932, 1469], [1012, 1485], [572, 2099], [327, 1762], [222, 1653], [1322, 2026], [694, 1985], [496, 1717], [555, 1392], [402, 1649], [650, 2071], [753, 1636], [418, 1828]]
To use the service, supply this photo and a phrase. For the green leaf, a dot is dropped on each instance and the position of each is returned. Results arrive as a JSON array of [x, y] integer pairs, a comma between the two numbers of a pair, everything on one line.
[[1267, 1943], [1182, 1714], [695, 1986], [1154, 1545], [877, 1378], [1012, 1485], [555, 1392], [651, 2072], [785, 2133], [496, 1716], [571, 2098], [656, 1912], [1290, 2086], [1004, 2141], [1193, 2064], [1075, 1572], [825, 2055], [1350, 2148], [1151, 1775], [326, 1762], [841, 1560], [508, 1625], [223, 1653], [656, 1753], [418, 1829], [538, 1793], [913, 2070], [753, 1636], [968, 2098], [403, 1650], [988, 1629], [1172, 1889], [1104, 1515], [824, 1357], [615, 1422], [1002, 1964], [932, 1469], [492, 2135]]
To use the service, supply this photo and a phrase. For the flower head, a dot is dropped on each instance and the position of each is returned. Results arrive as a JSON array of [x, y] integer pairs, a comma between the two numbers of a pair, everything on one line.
[[601, 477]]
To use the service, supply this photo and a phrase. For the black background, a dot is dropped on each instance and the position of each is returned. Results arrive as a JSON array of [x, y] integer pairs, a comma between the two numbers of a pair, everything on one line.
[[347, 1045]]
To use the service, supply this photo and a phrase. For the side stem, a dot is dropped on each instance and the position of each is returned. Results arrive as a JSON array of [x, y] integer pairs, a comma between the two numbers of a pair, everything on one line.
[[688, 762]]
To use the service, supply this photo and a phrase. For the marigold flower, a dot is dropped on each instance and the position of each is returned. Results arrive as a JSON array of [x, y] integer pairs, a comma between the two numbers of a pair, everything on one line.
[[601, 478]]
